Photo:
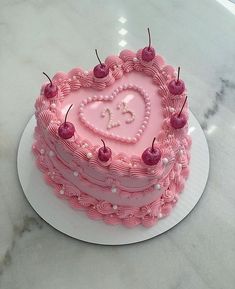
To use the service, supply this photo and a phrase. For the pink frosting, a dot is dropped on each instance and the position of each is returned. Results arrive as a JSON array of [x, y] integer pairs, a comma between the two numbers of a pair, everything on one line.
[[124, 190]]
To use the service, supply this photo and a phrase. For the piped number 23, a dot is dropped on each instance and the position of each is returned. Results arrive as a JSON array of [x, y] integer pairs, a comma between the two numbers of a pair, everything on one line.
[[124, 109]]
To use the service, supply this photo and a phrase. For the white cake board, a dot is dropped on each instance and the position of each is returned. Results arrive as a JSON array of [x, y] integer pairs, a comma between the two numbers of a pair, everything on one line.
[[62, 217]]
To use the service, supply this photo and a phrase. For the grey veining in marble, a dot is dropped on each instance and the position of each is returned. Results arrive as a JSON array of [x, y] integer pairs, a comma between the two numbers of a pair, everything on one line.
[[54, 35]]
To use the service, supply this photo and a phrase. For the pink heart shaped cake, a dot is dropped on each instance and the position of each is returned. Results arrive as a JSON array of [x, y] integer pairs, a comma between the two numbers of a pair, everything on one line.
[[114, 142]]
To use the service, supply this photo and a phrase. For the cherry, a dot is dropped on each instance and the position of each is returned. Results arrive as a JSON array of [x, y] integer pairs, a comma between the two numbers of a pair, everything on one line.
[[104, 153], [50, 90], [148, 53], [176, 87], [101, 70], [179, 120], [66, 130], [151, 156]]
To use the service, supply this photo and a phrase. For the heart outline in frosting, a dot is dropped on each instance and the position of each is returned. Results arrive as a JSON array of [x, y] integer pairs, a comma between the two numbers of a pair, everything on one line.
[[109, 98]]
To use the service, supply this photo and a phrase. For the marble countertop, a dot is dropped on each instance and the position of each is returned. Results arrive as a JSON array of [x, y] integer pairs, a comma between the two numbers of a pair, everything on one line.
[[54, 35]]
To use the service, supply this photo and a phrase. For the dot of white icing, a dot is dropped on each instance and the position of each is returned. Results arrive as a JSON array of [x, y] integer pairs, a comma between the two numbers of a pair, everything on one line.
[[86, 72], [42, 151], [135, 59], [53, 105], [171, 109], [165, 161], [148, 211], [160, 215], [61, 192], [157, 186], [75, 173], [51, 153], [113, 190], [115, 207], [89, 155]]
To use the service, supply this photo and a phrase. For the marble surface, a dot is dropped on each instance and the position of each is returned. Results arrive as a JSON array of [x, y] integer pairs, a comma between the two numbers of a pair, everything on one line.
[[54, 35]]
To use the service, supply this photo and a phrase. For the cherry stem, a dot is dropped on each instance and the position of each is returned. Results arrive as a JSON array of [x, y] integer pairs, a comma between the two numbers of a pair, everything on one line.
[[96, 52], [149, 38], [67, 113], [153, 145], [178, 75], [104, 145], [182, 106], [48, 77]]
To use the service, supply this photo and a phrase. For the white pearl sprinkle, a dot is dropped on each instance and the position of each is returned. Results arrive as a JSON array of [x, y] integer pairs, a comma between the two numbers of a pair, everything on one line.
[[181, 152], [148, 211], [157, 186], [42, 151], [165, 161], [135, 59], [61, 192], [89, 155], [114, 190], [115, 207], [160, 215], [75, 173], [86, 72], [53, 105], [51, 153], [171, 109]]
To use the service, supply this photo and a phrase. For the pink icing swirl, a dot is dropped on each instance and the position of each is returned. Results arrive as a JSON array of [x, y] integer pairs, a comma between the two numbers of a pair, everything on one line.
[[45, 117], [59, 78], [112, 219], [86, 200], [149, 221], [168, 195], [104, 208], [94, 214], [73, 202], [131, 221], [127, 55], [113, 61]]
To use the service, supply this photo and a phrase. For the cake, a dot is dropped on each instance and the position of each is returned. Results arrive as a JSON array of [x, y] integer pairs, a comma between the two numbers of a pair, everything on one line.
[[113, 142]]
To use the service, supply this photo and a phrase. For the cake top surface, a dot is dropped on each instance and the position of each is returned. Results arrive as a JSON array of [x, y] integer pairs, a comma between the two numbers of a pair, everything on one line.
[[127, 115], [127, 108]]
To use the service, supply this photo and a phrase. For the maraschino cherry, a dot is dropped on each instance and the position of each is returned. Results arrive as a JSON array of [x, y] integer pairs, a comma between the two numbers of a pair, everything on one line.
[[152, 155], [104, 153], [50, 90], [66, 130], [148, 53], [176, 87], [101, 70], [179, 120]]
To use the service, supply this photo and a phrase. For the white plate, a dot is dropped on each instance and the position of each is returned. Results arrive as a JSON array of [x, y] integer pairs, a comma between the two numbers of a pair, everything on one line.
[[61, 216]]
